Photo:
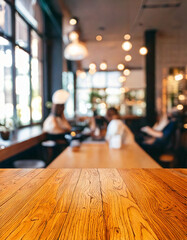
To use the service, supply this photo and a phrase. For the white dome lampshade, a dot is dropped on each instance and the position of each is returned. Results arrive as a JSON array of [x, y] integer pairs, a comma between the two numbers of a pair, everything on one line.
[[75, 51]]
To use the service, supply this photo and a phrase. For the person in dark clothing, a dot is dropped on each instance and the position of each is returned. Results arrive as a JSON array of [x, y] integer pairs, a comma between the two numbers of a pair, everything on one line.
[[156, 141]]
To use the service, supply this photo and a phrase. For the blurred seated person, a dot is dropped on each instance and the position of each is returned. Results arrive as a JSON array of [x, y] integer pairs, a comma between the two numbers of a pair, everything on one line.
[[112, 113], [158, 137], [98, 126], [160, 130], [116, 127], [56, 122]]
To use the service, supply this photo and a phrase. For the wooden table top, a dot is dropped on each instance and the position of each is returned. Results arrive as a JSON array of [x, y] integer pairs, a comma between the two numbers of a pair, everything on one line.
[[91, 204], [99, 155]]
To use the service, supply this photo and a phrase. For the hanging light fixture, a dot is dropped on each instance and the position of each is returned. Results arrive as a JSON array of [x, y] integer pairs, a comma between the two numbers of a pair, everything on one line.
[[99, 38], [180, 107], [120, 67], [92, 66], [128, 58], [143, 51], [181, 97], [126, 46], [73, 21], [103, 66], [126, 72], [76, 50], [73, 36], [127, 37]]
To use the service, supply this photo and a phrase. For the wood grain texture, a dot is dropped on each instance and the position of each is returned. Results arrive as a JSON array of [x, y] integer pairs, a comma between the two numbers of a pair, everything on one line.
[[162, 205], [91, 204], [99, 155], [85, 216]]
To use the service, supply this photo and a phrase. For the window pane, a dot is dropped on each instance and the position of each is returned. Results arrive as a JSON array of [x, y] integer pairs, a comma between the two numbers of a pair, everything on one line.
[[84, 105], [36, 80], [99, 80], [22, 37], [36, 45], [22, 87], [6, 101], [68, 85], [5, 18], [84, 81], [113, 79]]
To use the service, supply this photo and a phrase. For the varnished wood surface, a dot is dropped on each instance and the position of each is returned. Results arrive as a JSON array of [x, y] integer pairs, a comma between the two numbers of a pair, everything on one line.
[[99, 155], [91, 204], [21, 140]]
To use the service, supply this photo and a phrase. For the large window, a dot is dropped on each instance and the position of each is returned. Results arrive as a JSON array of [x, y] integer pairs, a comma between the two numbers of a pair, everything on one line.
[[5, 18], [6, 85], [102, 90], [20, 68]]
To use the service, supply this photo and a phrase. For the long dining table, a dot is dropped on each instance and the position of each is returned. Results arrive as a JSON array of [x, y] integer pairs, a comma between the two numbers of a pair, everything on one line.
[[99, 155]]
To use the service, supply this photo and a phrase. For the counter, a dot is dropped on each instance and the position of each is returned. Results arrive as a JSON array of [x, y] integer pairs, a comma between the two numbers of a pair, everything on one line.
[[21, 139], [87, 204]]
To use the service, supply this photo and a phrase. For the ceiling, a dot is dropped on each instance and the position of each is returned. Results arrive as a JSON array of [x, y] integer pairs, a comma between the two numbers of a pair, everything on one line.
[[112, 19]]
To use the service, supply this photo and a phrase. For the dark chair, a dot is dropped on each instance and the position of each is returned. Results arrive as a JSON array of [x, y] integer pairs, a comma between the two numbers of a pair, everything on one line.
[[53, 146], [169, 157]]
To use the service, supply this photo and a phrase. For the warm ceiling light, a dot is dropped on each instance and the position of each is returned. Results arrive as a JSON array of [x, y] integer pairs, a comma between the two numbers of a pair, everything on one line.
[[143, 51], [181, 97], [126, 46], [92, 66], [122, 90], [127, 36], [180, 107], [75, 51], [92, 71], [120, 67], [73, 36], [99, 38], [122, 79], [73, 21], [128, 58], [126, 72], [185, 125], [179, 77], [103, 66]]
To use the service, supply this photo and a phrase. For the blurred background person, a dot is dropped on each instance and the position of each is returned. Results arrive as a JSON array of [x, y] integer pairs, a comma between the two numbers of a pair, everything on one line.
[[117, 132], [56, 122]]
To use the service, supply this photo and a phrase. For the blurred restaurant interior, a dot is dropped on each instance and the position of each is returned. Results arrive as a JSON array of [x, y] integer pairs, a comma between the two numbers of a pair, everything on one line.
[[93, 119], [130, 55]]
